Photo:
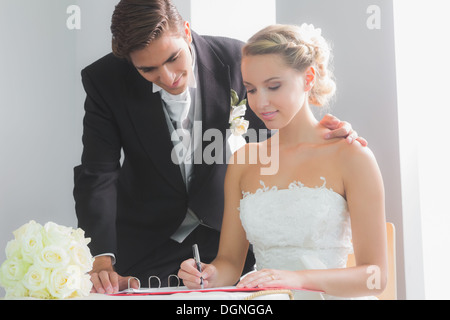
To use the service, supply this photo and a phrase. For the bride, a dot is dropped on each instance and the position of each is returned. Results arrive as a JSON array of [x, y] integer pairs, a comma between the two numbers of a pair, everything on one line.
[[325, 201]]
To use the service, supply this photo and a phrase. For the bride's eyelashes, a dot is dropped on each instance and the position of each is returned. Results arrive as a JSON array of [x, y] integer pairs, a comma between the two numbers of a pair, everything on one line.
[[271, 88], [275, 87]]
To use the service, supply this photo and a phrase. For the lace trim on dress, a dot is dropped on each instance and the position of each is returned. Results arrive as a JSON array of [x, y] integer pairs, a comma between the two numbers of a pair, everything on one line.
[[292, 185]]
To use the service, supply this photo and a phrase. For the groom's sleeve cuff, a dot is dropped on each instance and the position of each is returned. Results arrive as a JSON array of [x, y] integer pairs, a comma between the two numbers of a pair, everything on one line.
[[113, 257]]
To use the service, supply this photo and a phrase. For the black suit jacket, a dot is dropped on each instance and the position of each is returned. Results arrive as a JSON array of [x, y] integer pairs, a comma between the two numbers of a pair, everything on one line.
[[131, 206]]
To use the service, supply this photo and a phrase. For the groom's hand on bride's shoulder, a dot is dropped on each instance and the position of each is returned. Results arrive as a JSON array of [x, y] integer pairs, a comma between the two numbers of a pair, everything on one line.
[[341, 129], [105, 280]]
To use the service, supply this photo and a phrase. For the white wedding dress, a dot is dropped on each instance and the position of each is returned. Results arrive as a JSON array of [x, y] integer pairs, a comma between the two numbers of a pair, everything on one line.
[[297, 228]]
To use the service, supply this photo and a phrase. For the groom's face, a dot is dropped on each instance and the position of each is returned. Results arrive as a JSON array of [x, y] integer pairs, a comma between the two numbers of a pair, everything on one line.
[[166, 61]]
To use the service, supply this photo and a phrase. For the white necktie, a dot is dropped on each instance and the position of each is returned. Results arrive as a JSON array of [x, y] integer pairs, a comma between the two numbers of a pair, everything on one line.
[[178, 107]]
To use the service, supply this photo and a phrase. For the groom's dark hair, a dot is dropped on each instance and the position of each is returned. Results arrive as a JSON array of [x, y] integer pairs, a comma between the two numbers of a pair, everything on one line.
[[136, 23]]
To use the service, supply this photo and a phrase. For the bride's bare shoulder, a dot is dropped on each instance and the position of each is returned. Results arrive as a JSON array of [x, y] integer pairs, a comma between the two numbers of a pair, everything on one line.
[[355, 155]]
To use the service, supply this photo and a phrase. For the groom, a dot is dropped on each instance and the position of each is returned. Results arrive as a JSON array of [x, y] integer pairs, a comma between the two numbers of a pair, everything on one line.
[[144, 211]]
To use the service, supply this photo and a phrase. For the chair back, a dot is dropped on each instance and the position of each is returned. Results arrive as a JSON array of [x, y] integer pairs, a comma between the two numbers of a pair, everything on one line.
[[390, 292]]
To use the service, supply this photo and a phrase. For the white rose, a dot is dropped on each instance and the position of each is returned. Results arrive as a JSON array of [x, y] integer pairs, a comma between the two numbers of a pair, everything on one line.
[[59, 284], [17, 291], [80, 255], [29, 237], [40, 294], [12, 271], [36, 278], [53, 257], [78, 236], [237, 112], [55, 234], [13, 249], [31, 227], [239, 126], [31, 245], [85, 286]]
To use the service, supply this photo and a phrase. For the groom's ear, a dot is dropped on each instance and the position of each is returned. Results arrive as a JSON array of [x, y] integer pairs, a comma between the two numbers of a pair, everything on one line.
[[187, 32]]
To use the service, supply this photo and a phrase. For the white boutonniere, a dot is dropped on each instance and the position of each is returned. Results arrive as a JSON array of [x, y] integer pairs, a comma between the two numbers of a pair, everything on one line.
[[238, 125]]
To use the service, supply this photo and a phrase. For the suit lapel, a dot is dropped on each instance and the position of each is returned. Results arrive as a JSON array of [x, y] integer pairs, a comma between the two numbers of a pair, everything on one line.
[[214, 79], [147, 115], [215, 85]]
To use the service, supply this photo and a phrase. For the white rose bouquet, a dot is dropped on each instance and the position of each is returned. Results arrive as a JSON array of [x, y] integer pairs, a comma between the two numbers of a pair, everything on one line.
[[47, 262]]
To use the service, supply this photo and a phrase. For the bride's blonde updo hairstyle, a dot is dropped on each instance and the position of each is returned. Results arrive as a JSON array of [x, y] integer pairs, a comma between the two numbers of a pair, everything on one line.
[[301, 48]]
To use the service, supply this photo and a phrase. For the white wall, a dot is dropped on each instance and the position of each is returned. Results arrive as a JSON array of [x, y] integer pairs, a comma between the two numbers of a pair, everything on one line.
[[38, 126], [238, 19], [423, 68]]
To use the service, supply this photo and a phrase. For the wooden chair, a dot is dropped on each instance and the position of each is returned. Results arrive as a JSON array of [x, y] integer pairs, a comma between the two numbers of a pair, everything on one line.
[[390, 293]]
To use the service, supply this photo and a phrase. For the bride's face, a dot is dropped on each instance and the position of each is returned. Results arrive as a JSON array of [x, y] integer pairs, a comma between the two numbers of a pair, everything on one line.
[[275, 91]]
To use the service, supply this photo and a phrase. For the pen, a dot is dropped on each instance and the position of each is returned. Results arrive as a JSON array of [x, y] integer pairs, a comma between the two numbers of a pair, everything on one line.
[[197, 261]]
